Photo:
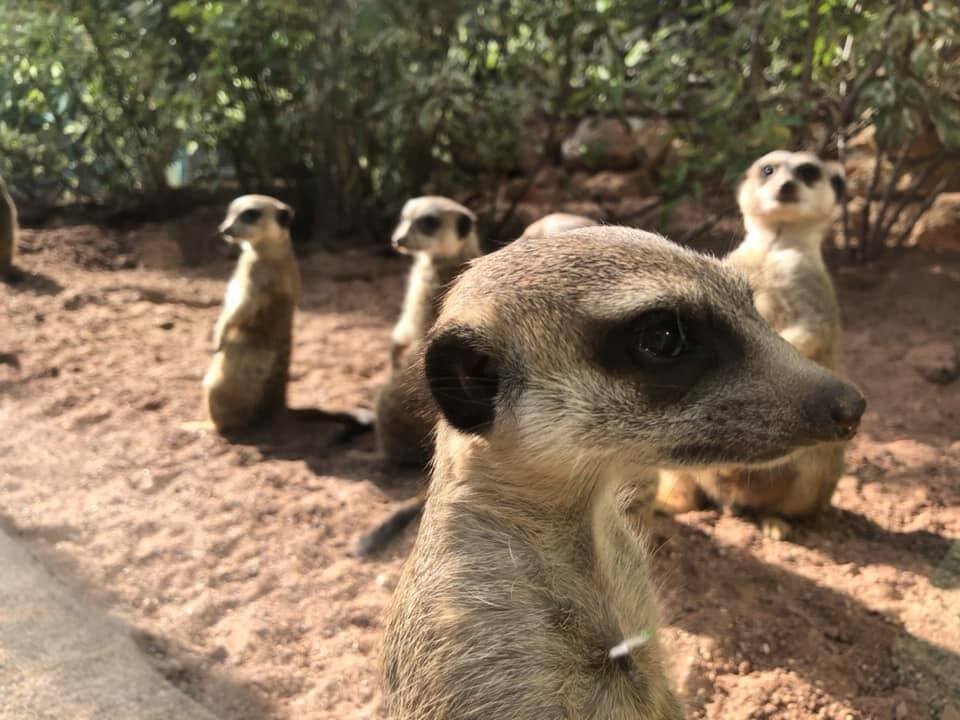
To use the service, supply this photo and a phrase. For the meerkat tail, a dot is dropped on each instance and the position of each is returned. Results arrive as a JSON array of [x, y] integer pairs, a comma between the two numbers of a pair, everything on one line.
[[377, 539]]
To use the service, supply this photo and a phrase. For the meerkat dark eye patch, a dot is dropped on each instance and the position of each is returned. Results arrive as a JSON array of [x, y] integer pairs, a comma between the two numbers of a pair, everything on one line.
[[464, 225], [427, 225], [767, 171], [665, 350], [463, 378], [839, 186], [250, 216], [284, 217], [808, 173], [659, 336]]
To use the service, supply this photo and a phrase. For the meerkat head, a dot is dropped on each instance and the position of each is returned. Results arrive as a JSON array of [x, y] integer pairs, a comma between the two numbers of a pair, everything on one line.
[[783, 188], [437, 226], [610, 344], [258, 220]]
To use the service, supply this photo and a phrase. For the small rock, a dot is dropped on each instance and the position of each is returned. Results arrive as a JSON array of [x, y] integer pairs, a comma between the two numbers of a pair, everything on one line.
[[937, 362], [766, 649], [901, 711], [615, 186], [939, 228]]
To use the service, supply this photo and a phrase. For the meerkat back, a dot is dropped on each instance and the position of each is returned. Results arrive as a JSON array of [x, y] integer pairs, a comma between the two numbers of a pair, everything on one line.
[[8, 229]]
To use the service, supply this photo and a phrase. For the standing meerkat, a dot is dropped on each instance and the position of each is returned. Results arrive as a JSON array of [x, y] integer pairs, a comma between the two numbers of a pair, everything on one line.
[[8, 230], [247, 380], [787, 200], [556, 223], [441, 235], [561, 365]]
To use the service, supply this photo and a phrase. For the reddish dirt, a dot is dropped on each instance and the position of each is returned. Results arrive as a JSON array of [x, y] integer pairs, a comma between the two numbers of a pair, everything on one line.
[[231, 563]]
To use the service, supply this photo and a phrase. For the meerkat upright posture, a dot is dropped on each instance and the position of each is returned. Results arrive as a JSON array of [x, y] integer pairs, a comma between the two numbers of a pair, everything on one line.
[[247, 380], [556, 223], [561, 365], [441, 235], [787, 200], [8, 230]]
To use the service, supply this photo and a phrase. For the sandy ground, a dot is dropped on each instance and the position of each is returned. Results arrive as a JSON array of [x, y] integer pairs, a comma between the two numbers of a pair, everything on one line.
[[230, 561]]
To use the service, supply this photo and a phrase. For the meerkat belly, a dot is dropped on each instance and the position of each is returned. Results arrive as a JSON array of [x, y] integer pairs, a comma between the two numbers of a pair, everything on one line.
[[248, 376]]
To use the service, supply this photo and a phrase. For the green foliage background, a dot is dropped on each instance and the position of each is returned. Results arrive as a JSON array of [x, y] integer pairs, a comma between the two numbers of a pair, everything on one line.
[[349, 106]]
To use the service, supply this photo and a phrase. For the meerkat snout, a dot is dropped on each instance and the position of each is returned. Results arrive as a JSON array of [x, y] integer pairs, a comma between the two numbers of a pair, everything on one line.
[[787, 192], [833, 410]]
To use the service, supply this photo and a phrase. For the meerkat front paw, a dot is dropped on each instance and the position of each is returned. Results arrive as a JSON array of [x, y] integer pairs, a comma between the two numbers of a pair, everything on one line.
[[775, 528], [677, 493]]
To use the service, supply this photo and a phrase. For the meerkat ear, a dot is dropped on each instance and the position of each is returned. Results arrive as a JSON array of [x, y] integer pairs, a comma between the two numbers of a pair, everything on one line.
[[837, 179], [464, 225], [463, 378], [285, 216]]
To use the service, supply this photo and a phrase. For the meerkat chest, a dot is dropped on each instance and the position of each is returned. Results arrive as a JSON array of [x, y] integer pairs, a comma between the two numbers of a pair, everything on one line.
[[776, 283]]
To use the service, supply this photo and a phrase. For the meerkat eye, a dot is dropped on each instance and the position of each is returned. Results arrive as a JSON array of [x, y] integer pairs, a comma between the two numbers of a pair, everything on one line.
[[428, 224], [659, 335], [249, 216], [767, 170], [808, 173]]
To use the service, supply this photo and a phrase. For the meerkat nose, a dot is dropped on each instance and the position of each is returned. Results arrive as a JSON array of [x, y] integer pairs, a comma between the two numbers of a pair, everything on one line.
[[788, 191], [847, 411], [838, 409]]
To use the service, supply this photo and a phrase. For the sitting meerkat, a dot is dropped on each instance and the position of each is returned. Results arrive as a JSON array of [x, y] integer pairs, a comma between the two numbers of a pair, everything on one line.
[[556, 223], [559, 366], [441, 235], [247, 380], [8, 230], [787, 199]]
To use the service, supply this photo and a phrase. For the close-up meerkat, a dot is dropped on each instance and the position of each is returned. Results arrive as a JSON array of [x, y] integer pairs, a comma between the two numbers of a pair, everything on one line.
[[556, 223], [787, 201], [560, 366], [8, 230], [441, 236], [247, 380]]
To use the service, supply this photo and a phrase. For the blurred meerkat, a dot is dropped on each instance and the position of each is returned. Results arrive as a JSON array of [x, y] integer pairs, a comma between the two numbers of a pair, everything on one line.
[[247, 380], [787, 200], [441, 236], [8, 230], [556, 223], [560, 365]]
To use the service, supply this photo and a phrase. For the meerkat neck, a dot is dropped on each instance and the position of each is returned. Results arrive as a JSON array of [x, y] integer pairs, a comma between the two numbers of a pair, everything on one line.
[[803, 237], [467, 468], [468, 251], [273, 250]]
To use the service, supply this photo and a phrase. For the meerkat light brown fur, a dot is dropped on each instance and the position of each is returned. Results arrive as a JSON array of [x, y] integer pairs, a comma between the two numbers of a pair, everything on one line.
[[441, 236], [556, 223], [8, 230], [247, 380], [560, 366], [787, 200]]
